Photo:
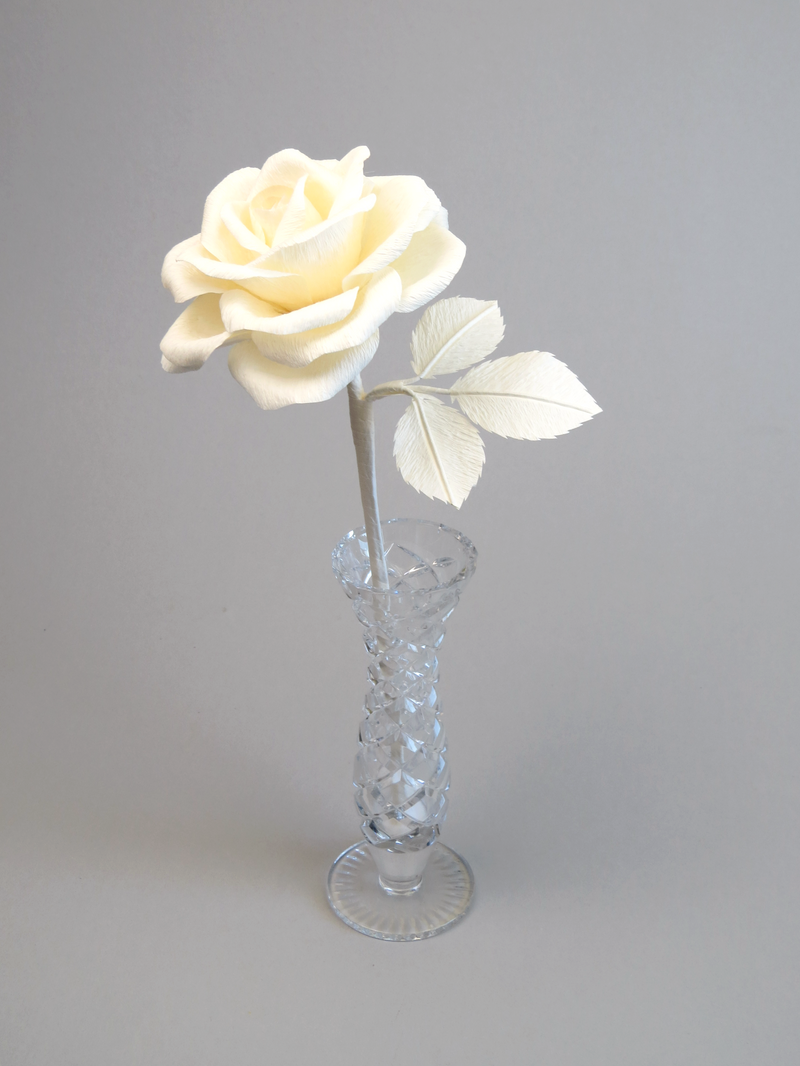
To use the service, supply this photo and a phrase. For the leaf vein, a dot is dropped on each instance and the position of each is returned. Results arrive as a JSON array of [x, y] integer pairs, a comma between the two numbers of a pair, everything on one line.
[[445, 348], [519, 396], [432, 447]]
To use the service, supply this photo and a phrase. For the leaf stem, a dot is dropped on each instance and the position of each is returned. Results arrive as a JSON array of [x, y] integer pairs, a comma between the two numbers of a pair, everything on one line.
[[390, 388], [407, 386], [362, 424]]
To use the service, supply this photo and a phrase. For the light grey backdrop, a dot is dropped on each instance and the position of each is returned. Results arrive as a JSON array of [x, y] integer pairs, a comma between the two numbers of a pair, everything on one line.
[[182, 676]]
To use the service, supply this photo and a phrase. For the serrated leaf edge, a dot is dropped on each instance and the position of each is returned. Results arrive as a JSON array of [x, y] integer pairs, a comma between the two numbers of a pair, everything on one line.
[[427, 372]]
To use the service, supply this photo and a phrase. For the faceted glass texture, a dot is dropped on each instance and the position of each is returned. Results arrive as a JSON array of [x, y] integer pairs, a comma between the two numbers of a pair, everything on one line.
[[401, 771], [401, 776]]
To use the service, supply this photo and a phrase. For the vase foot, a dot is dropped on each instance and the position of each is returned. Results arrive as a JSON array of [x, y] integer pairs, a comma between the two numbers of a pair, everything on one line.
[[443, 897]]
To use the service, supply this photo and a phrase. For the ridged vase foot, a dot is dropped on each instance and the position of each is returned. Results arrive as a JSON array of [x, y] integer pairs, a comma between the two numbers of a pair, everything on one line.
[[441, 899]]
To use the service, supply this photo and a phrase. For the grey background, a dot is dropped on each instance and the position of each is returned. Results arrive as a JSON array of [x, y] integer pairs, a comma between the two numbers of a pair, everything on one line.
[[182, 677]]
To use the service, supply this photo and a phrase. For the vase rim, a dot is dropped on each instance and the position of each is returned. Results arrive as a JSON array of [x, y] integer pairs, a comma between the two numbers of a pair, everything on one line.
[[345, 574]]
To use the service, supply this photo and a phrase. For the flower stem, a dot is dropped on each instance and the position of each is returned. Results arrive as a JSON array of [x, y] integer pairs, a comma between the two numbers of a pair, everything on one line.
[[363, 427]]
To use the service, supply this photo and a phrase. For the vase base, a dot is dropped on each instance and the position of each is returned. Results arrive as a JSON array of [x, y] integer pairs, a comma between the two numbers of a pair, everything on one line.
[[442, 899]]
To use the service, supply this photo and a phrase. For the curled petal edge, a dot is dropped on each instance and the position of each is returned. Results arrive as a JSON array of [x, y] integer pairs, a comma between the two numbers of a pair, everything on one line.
[[195, 334], [182, 278], [428, 265], [173, 368], [242, 310], [374, 304], [273, 385], [215, 234], [405, 206]]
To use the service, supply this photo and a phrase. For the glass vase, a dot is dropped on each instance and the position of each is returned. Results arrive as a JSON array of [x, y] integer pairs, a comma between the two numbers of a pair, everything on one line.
[[400, 882]]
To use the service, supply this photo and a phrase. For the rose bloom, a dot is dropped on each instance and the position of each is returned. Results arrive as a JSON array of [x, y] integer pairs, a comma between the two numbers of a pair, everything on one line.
[[297, 265]]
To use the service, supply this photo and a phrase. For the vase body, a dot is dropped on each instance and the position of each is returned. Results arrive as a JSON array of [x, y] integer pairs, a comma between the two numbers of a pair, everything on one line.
[[402, 774]]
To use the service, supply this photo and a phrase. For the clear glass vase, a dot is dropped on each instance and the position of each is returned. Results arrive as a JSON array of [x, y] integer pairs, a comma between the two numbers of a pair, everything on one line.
[[400, 882]]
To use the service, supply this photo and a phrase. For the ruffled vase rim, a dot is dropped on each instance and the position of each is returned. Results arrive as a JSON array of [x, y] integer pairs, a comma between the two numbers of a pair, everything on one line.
[[345, 574]]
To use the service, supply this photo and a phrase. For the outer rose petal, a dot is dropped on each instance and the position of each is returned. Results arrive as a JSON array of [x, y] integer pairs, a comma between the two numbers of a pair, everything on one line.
[[289, 291], [374, 304], [400, 206], [183, 279], [428, 265], [173, 368], [274, 385], [195, 334], [441, 219], [241, 311], [216, 236]]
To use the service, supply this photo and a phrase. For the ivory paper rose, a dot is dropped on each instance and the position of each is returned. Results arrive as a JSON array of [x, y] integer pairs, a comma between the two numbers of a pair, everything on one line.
[[297, 265]]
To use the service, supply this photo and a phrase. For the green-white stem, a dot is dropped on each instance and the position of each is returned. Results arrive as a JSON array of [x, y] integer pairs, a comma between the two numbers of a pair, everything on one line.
[[363, 427]]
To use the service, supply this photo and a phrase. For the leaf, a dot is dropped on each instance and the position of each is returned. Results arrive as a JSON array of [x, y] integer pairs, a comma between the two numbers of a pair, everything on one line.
[[454, 334], [438, 451], [529, 396]]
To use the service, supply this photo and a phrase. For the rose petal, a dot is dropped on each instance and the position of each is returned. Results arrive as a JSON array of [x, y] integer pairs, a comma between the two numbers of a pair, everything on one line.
[[274, 385], [374, 304], [173, 368], [183, 279], [216, 237], [352, 170], [403, 205], [356, 156], [242, 311], [441, 219], [360, 207], [235, 216], [293, 222], [288, 291], [428, 265], [431, 206], [195, 334], [286, 168], [323, 256]]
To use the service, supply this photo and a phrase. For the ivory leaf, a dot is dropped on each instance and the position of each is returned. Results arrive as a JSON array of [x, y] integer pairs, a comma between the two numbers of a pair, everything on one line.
[[530, 396], [438, 452], [453, 334]]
